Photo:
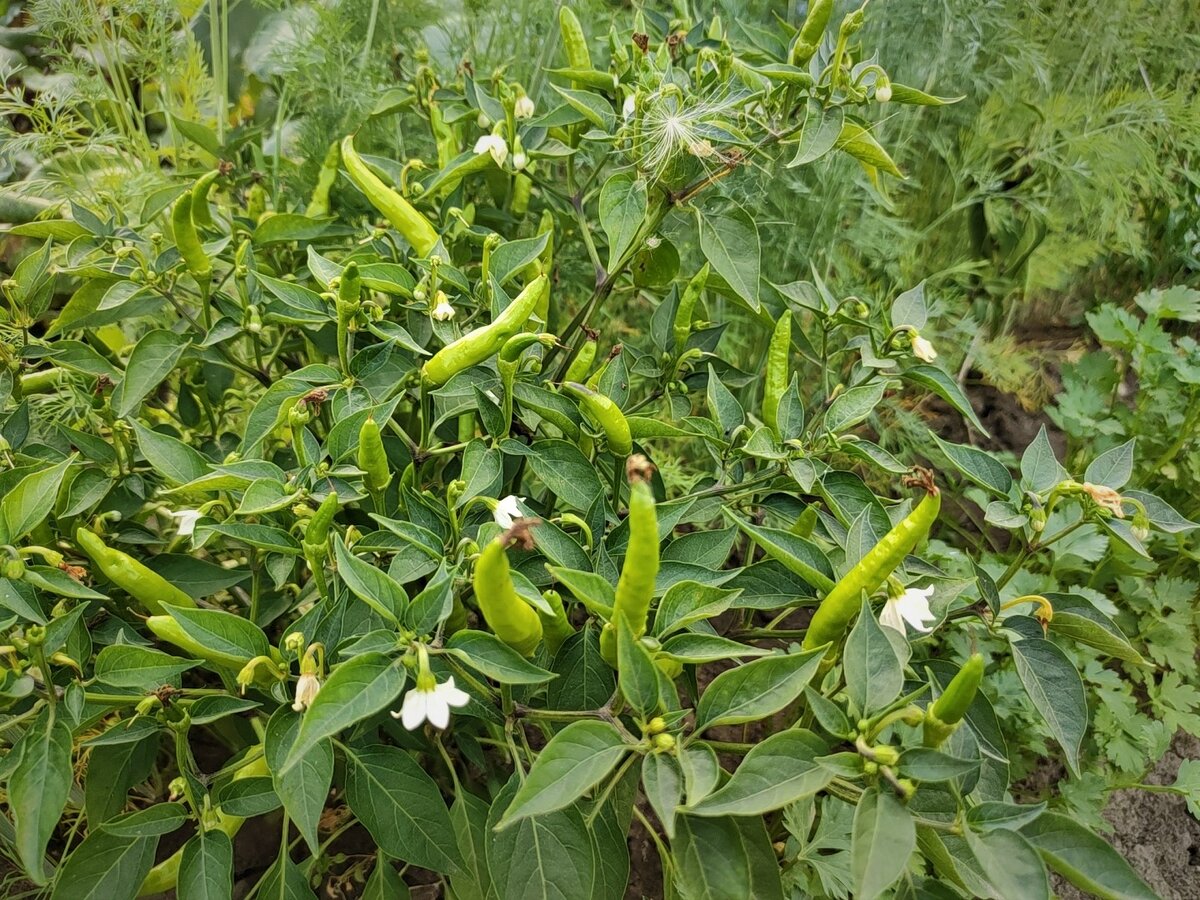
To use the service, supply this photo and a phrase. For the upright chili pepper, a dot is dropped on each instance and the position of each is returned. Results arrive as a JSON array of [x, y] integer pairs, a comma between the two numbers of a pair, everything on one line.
[[808, 39], [605, 415], [187, 240], [415, 228], [318, 204], [508, 364], [510, 618], [776, 383], [840, 605], [574, 41], [164, 876], [316, 539], [481, 344], [349, 302], [372, 459], [582, 363], [522, 190], [635, 586], [144, 585], [681, 329], [944, 714]]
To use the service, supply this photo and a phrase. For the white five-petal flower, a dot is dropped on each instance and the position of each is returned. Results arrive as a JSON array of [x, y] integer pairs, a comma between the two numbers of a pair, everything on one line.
[[922, 349], [507, 511], [912, 607], [443, 311], [495, 145], [430, 702], [523, 108], [187, 520]]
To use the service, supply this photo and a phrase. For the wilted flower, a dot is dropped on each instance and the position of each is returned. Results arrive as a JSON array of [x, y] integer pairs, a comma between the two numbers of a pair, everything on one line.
[[495, 145], [912, 607], [507, 511], [307, 687], [1105, 497], [187, 521]]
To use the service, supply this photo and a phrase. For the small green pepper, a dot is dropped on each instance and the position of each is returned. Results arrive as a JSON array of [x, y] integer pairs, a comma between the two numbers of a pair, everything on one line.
[[582, 363], [681, 328], [944, 714], [318, 204], [605, 415], [188, 242], [201, 216], [144, 585], [776, 383], [510, 618], [372, 459], [557, 627]]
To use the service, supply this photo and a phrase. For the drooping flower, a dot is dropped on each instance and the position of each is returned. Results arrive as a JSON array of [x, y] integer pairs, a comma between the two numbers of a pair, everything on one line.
[[912, 607], [495, 145], [307, 688], [922, 349], [523, 108], [1105, 497], [507, 511]]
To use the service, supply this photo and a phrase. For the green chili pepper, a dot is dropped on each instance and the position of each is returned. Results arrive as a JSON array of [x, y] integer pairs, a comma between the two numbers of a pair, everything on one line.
[[522, 190], [635, 586], [256, 201], [349, 301], [605, 415], [944, 714], [557, 627], [682, 327], [201, 216], [508, 364], [776, 383], [481, 344], [187, 240], [144, 585], [574, 41], [164, 876], [545, 259], [415, 228], [510, 618], [582, 363], [316, 539], [372, 459], [836, 611], [808, 39], [318, 204], [167, 628]]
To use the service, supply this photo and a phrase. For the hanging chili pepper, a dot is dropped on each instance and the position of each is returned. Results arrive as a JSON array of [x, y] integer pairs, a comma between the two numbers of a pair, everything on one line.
[[510, 618], [144, 585], [415, 228], [635, 586], [605, 415]]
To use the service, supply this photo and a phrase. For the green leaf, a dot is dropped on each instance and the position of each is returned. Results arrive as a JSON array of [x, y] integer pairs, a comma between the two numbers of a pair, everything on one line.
[[725, 859], [385, 883], [998, 814], [776, 772], [853, 406], [25, 506], [910, 308], [486, 653], [724, 408], [1009, 863], [152, 360], [1077, 619], [695, 648], [882, 840], [1113, 468], [622, 211], [637, 675], [572, 763], [224, 634], [304, 787], [401, 806], [874, 673], [564, 470], [169, 456], [356, 689], [857, 140], [372, 586], [757, 689], [111, 772], [38, 789], [821, 130], [977, 465], [1039, 466], [285, 881], [585, 680], [105, 867], [206, 867], [1056, 690], [126, 666], [934, 379], [1084, 859], [662, 782], [546, 857], [512, 256], [797, 554], [729, 240], [924, 764]]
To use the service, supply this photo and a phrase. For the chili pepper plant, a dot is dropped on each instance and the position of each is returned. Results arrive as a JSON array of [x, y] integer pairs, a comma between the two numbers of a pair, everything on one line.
[[339, 556]]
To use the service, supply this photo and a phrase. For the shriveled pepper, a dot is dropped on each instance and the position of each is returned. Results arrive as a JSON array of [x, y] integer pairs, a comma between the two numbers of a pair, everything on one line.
[[372, 459], [510, 618], [482, 343], [415, 228], [143, 584], [635, 586], [840, 605], [605, 415], [776, 382], [946, 712], [164, 876]]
